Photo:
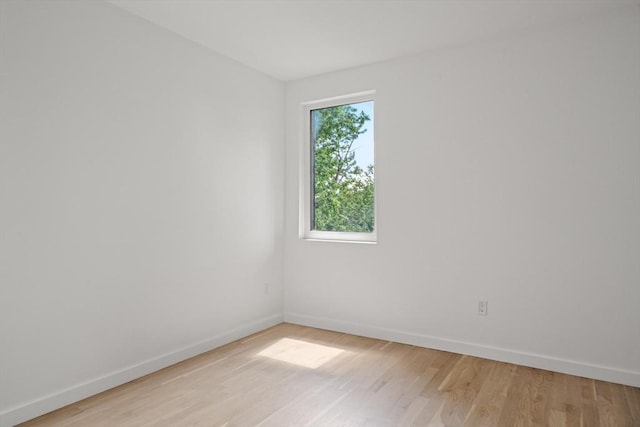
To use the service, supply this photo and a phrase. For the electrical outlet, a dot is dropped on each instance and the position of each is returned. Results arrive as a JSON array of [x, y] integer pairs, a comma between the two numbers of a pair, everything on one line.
[[482, 308]]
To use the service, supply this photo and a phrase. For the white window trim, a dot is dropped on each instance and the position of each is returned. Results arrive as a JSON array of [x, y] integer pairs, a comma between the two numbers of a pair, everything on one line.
[[305, 179]]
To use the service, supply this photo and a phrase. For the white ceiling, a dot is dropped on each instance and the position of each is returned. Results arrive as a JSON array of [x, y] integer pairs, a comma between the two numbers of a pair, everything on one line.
[[290, 39]]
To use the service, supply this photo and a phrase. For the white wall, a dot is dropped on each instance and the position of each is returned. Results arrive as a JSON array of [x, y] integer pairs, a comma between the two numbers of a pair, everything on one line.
[[141, 194], [507, 170]]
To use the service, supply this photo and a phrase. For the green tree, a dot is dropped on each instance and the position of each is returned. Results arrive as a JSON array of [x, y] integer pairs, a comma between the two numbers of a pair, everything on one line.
[[343, 191]]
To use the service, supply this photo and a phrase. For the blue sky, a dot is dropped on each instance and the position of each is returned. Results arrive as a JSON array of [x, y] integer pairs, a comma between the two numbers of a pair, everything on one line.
[[363, 146]]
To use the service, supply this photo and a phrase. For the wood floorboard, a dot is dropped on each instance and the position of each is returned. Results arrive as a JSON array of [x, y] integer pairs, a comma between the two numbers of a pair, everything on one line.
[[292, 375]]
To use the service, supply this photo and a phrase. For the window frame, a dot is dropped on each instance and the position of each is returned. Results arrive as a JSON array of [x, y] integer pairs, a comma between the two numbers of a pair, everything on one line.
[[306, 207]]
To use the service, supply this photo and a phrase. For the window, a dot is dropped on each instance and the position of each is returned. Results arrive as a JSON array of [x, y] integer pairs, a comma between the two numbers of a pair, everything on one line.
[[338, 179]]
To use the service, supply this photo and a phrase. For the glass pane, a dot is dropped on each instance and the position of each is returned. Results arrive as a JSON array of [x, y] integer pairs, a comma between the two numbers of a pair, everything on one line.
[[342, 163]]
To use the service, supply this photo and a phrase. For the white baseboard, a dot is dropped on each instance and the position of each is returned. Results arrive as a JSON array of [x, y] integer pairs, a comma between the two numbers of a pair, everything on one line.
[[45, 404], [572, 367]]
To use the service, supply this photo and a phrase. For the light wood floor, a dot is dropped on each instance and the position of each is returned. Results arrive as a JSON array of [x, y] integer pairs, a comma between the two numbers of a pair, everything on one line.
[[291, 375]]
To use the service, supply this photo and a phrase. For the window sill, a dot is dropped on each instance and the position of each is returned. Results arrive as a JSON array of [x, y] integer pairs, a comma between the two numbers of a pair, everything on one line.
[[340, 237], [362, 242]]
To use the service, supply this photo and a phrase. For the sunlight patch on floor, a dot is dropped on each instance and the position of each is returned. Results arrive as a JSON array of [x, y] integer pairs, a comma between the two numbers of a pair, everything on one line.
[[301, 353]]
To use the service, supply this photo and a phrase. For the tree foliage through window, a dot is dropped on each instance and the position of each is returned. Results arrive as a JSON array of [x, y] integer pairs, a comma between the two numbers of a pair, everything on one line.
[[343, 191]]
